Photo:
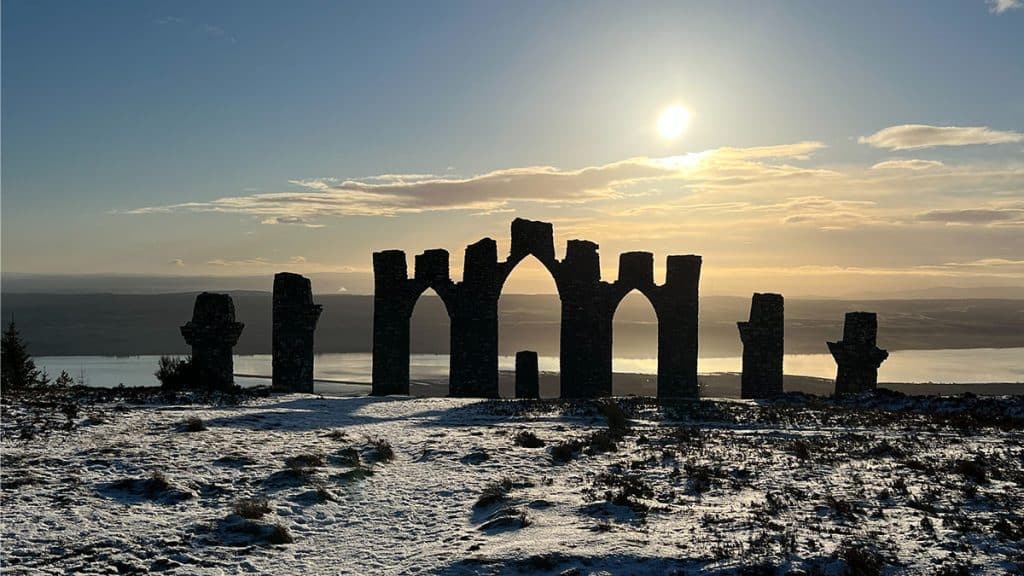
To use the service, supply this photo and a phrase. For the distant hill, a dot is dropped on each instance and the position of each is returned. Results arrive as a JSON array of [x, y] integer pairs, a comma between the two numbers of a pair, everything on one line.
[[122, 324], [362, 283], [951, 292]]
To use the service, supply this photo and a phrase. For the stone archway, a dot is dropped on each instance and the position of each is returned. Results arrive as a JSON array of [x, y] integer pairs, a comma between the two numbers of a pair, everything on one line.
[[588, 305]]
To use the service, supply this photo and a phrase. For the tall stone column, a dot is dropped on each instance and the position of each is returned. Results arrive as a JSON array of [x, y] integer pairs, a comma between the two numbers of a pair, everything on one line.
[[295, 317], [677, 328], [474, 325], [212, 333], [762, 338], [586, 333], [857, 355], [527, 376], [391, 314]]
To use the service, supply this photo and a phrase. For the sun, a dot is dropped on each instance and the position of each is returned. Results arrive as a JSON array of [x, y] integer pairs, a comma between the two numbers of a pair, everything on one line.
[[672, 121]]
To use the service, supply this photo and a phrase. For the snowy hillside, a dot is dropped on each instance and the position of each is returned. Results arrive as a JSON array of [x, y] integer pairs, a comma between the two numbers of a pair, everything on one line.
[[904, 485]]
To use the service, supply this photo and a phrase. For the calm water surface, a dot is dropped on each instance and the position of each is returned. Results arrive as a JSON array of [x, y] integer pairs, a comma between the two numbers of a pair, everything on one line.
[[961, 366]]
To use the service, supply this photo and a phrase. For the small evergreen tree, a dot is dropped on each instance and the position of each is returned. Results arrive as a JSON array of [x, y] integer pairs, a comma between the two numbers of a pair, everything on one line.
[[175, 373], [17, 370], [64, 380]]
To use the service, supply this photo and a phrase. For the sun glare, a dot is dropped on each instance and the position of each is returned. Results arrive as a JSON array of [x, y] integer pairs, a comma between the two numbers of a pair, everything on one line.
[[673, 121]]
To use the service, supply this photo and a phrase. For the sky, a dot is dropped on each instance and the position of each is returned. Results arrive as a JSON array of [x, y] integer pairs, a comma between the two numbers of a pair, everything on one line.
[[832, 147]]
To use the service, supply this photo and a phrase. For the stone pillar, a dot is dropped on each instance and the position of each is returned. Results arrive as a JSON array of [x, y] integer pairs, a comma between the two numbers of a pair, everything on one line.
[[857, 355], [762, 338], [212, 333], [391, 313], [527, 377], [474, 325], [677, 328], [295, 316], [586, 333]]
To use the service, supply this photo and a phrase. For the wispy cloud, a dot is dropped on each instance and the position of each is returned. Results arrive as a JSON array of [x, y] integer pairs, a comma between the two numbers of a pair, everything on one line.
[[240, 262], [973, 215], [907, 165], [390, 195], [1000, 6], [916, 136], [291, 220], [177, 262]]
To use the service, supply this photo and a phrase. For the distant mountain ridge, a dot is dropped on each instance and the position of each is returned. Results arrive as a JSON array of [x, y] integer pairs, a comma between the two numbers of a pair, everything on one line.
[[362, 283], [132, 324]]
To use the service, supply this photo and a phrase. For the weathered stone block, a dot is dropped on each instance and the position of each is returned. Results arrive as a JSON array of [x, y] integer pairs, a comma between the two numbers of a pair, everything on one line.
[[527, 376], [636, 269], [389, 270], [480, 264], [582, 263], [432, 265], [532, 237]]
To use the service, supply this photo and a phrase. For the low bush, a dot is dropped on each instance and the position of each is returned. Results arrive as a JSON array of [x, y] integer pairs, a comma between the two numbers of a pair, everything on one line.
[[193, 424], [972, 470], [494, 492], [302, 461], [618, 423], [252, 508], [862, 559], [175, 373], [280, 535], [382, 449], [563, 452], [528, 439]]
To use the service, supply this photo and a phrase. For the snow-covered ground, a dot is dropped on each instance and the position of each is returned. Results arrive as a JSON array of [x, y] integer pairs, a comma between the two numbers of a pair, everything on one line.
[[800, 485]]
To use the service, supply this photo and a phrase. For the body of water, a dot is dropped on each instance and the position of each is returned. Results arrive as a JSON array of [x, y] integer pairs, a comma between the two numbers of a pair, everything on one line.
[[975, 365]]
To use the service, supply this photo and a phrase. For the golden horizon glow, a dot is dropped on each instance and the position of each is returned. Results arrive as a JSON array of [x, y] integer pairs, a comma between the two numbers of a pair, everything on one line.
[[672, 121]]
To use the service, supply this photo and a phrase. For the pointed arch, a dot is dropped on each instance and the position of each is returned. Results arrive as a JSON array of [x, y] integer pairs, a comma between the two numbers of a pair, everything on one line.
[[429, 345], [529, 318], [634, 345]]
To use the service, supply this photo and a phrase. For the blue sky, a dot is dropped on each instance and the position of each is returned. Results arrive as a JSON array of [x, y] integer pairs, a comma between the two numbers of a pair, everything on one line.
[[126, 125]]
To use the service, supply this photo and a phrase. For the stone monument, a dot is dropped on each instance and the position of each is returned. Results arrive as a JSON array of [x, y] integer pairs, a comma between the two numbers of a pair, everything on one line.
[[295, 317], [212, 333], [762, 338], [857, 355]]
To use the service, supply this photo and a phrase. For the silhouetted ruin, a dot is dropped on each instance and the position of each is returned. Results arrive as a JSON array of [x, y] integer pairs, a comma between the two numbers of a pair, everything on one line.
[[588, 305], [527, 377], [212, 333], [857, 355], [294, 316], [762, 338]]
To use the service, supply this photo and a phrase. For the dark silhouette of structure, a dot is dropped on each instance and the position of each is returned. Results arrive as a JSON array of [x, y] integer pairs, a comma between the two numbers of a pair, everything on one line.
[[588, 305], [294, 321], [857, 355], [762, 338], [212, 333], [527, 377]]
